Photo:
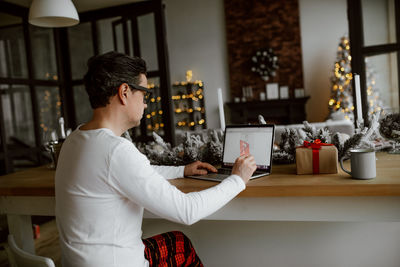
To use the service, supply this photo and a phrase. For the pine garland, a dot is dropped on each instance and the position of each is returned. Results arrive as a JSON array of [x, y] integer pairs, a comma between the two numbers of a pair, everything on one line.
[[291, 138], [289, 141], [204, 147], [208, 146], [390, 126]]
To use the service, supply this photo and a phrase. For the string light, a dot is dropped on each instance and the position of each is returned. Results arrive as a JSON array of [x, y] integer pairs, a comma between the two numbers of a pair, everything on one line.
[[190, 123], [153, 113], [188, 96], [184, 101], [190, 110], [48, 104]]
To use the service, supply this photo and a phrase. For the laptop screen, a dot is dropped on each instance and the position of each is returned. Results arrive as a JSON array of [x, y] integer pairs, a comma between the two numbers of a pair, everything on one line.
[[254, 140]]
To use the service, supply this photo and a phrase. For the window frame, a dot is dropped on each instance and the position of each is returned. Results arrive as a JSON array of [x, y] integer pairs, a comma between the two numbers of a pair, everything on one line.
[[359, 51]]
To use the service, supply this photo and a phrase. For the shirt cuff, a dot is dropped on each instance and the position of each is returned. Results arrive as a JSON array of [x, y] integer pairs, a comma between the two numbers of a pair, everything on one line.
[[239, 181], [181, 172]]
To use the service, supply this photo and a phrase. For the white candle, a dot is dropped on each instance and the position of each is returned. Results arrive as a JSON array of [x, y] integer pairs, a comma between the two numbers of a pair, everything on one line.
[[358, 98], [221, 109]]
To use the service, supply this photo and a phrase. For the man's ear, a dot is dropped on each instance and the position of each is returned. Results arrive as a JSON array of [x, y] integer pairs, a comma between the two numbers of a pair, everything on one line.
[[123, 91]]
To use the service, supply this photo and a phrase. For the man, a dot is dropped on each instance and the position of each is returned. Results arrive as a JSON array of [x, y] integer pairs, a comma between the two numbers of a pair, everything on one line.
[[103, 182]]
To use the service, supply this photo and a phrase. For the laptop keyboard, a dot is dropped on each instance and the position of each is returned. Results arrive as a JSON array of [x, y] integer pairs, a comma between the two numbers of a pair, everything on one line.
[[224, 171]]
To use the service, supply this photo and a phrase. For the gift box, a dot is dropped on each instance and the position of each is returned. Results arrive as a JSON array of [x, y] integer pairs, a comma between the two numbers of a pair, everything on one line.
[[316, 158]]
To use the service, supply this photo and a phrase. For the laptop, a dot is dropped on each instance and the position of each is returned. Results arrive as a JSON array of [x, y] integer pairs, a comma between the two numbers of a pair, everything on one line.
[[257, 140]]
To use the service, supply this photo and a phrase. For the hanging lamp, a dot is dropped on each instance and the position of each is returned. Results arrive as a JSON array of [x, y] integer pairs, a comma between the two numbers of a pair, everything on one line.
[[53, 13]]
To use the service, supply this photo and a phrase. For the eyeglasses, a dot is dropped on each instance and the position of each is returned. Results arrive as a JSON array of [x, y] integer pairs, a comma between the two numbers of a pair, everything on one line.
[[144, 89]]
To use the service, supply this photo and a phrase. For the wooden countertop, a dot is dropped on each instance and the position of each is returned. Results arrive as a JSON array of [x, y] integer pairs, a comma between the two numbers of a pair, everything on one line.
[[282, 182]]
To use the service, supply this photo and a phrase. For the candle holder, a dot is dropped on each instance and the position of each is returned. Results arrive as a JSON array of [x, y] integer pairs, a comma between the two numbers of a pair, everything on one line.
[[360, 123], [54, 148]]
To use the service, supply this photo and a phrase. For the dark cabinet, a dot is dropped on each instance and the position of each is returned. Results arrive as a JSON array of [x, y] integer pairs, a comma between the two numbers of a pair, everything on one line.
[[280, 111]]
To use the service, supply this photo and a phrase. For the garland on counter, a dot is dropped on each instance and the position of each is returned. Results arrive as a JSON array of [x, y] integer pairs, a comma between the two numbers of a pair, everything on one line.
[[207, 146], [204, 146], [390, 126], [363, 137]]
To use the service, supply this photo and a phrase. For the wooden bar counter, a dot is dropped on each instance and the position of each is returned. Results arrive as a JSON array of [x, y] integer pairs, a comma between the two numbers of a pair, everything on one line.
[[283, 182], [282, 196]]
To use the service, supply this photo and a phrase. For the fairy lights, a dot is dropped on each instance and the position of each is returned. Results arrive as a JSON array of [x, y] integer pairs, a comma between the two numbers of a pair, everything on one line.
[[154, 112], [188, 101]]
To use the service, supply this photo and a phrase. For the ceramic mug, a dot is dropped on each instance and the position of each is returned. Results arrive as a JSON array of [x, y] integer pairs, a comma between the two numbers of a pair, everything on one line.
[[363, 164]]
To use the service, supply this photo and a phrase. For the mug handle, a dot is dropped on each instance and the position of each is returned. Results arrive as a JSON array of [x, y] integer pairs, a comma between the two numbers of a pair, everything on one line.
[[341, 165]]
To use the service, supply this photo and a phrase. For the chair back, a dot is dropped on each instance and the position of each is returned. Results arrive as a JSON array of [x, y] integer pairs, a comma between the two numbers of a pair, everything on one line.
[[20, 258]]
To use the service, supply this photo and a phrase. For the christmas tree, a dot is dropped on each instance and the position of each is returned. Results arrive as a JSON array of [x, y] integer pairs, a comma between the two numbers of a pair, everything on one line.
[[375, 104], [341, 100]]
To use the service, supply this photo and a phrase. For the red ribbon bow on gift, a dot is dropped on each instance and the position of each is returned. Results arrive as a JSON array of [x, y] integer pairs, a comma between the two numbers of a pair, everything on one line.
[[316, 146]]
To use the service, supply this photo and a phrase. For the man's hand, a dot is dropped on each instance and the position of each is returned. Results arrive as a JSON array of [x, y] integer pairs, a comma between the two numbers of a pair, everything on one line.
[[244, 167], [198, 168]]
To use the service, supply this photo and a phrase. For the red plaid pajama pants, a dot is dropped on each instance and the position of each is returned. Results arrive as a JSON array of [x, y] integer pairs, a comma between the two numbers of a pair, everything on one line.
[[171, 249]]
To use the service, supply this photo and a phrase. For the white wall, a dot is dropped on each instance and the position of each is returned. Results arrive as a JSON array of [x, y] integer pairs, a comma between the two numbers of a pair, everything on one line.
[[282, 244], [322, 25], [196, 41]]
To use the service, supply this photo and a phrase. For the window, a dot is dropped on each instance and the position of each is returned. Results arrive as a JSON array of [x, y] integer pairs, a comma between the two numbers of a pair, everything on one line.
[[29, 87], [374, 28], [41, 74]]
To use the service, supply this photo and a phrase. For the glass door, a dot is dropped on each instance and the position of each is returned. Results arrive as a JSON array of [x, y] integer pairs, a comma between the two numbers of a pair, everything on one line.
[[139, 35], [29, 90]]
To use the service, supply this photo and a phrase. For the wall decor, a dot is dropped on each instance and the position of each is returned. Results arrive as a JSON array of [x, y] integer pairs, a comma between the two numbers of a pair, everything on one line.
[[247, 92], [262, 96], [265, 63], [272, 90], [299, 93], [284, 92]]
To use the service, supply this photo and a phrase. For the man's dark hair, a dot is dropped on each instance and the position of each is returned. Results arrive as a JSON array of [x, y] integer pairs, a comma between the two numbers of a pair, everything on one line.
[[107, 72]]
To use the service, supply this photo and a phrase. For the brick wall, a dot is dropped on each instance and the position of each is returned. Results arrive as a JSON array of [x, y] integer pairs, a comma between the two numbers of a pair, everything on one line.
[[256, 25]]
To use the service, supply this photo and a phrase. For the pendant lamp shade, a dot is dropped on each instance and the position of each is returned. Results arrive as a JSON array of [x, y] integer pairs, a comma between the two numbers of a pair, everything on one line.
[[53, 13]]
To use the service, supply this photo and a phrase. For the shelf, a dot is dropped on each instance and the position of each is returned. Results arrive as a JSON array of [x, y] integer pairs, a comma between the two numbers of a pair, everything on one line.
[[188, 105]]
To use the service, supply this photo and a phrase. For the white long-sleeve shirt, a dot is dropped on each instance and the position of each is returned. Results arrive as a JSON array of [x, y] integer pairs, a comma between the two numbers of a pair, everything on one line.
[[102, 185]]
